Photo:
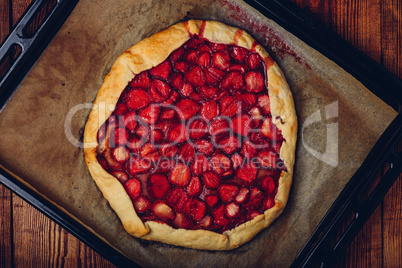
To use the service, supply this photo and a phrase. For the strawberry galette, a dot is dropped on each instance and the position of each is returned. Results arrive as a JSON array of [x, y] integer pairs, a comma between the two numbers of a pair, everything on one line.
[[192, 137]]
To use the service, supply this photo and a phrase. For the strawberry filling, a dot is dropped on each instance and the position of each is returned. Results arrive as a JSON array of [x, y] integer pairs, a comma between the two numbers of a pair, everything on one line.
[[192, 140]]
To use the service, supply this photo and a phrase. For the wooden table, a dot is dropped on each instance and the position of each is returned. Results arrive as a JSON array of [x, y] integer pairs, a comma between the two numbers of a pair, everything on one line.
[[27, 237]]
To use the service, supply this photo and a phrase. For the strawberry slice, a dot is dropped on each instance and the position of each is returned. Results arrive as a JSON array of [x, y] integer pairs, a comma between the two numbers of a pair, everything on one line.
[[242, 68], [209, 110], [168, 114], [221, 60], [208, 91], [232, 210], [137, 99], [142, 204], [256, 115], [233, 81], [212, 200], [159, 90], [252, 214], [228, 192], [268, 159], [177, 197], [211, 180], [141, 80], [121, 108], [204, 59], [242, 124], [187, 108], [247, 172], [182, 221], [136, 165], [130, 120], [205, 48], [260, 142], [120, 136], [268, 185], [204, 146], [150, 114], [195, 76], [219, 127], [196, 96], [269, 130], [269, 202], [213, 76], [135, 144], [201, 164], [133, 188], [253, 61], [247, 100], [219, 215], [221, 165], [181, 66], [111, 161], [168, 150], [198, 128], [177, 81], [191, 56], [121, 154], [174, 96], [120, 175], [158, 185], [149, 152], [163, 211], [237, 160], [254, 82], [155, 136], [142, 131], [264, 103], [216, 73], [176, 55], [237, 53], [186, 89], [194, 188], [256, 199], [197, 209], [229, 106], [187, 152], [206, 222], [180, 175], [161, 71], [242, 196], [178, 133], [230, 144], [276, 146], [249, 149]]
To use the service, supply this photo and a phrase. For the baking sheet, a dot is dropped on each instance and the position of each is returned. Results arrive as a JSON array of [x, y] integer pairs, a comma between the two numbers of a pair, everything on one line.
[[339, 122]]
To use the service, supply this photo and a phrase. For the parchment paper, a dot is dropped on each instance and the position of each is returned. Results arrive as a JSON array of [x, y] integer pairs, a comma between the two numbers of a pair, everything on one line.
[[34, 144]]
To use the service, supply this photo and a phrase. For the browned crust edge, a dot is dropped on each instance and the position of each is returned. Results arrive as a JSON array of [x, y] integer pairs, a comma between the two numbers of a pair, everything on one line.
[[147, 54]]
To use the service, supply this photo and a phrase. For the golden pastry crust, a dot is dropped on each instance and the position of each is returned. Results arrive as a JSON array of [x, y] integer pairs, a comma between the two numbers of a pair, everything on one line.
[[149, 53]]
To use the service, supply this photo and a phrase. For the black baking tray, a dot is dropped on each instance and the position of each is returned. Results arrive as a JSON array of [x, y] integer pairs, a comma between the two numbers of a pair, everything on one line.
[[321, 250]]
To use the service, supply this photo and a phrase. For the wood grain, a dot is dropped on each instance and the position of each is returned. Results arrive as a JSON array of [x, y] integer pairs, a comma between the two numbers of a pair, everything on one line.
[[5, 228], [42, 243], [28, 238]]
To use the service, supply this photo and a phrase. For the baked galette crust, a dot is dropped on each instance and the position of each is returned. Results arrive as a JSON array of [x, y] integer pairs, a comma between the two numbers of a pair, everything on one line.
[[149, 53]]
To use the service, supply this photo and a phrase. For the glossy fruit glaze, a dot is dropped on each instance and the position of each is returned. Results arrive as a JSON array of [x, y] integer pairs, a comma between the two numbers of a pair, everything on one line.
[[192, 139]]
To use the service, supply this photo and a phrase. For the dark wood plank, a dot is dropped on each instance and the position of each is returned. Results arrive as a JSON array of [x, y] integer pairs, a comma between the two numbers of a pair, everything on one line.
[[39, 242], [5, 194], [6, 257], [391, 34]]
